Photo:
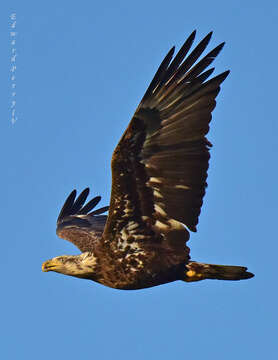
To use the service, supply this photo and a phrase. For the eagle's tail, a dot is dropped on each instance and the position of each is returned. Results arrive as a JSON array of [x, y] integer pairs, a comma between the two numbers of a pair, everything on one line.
[[199, 271]]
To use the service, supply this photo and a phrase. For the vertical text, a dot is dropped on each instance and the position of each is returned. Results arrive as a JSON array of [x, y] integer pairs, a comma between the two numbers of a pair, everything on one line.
[[13, 57]]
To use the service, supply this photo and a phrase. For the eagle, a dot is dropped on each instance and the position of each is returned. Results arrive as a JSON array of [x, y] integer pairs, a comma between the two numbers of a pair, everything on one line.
[[159, 172]]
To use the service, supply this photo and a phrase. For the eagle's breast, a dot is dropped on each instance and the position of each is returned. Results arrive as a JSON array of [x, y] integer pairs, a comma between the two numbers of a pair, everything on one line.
[[135, 267]]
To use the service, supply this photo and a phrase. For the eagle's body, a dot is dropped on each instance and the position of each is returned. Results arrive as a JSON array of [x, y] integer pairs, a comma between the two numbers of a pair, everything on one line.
[[159, 171]]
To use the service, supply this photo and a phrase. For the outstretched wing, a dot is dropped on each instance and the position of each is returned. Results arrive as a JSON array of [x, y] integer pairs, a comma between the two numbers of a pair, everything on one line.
[[78, 224], [159, 167]]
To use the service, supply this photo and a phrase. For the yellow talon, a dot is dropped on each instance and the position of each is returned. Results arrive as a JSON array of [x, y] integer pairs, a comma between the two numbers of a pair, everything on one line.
[[191, 273]]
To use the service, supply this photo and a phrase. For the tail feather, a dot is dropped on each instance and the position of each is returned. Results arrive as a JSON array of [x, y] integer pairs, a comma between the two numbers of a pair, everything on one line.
[[200, 271]]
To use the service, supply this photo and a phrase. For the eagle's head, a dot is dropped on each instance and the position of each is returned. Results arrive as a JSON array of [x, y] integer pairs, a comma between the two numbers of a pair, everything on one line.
[[81, 266]]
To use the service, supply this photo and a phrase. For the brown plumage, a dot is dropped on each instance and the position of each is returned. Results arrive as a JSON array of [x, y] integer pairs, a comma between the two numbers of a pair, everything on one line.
[[159, 172]]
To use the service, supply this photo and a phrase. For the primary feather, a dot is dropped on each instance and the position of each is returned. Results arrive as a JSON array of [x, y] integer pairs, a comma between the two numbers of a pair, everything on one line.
[[78, 224]]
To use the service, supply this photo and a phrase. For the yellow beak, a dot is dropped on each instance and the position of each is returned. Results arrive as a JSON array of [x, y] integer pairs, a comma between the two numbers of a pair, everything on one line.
[[50, 265]]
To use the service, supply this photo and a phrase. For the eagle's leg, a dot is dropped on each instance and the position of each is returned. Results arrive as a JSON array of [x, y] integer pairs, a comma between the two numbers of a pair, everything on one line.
[[199, 271]]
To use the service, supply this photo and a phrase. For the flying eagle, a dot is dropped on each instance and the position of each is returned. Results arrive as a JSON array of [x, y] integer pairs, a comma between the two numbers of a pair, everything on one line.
[[159, 172]]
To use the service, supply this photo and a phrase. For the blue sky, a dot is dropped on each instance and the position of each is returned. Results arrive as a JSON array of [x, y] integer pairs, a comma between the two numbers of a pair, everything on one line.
[[82, 68]]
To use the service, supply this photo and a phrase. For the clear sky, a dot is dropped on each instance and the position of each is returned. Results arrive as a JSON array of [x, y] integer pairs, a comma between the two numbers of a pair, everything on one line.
[[81, 69]]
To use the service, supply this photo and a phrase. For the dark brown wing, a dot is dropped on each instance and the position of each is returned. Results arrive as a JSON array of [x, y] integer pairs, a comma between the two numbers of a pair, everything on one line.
[[78, 224], [159, 167]]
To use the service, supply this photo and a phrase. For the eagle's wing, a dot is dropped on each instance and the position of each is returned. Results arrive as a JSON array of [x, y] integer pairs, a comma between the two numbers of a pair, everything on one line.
[[159, 167], [78, 224]]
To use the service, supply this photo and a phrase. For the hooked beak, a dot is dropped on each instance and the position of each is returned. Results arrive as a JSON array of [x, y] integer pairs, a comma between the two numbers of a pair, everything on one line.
[[50, 265]]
